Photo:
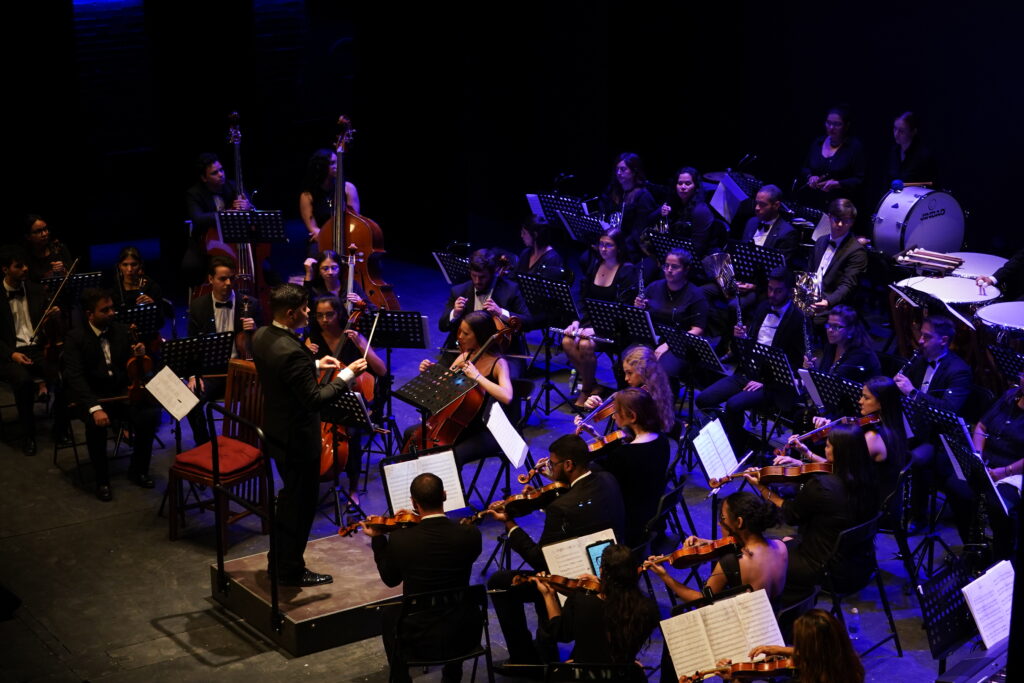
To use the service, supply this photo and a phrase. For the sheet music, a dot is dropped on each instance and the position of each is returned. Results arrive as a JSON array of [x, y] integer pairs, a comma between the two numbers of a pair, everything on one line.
[[172, 394], [721, 623], [757, 619], [714, 451], [687, 643], [510, 441], [535, 207], [569, 558], [1013, 480], [812, 390], [399, 477], [988, 598], [953, 459]]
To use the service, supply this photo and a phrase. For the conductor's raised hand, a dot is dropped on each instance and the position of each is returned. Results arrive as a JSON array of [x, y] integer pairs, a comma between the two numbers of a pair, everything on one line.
[[358, 366], [330, 363]]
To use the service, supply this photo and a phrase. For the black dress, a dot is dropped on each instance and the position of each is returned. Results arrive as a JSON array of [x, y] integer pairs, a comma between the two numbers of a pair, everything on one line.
[[858, 364], [640, 470], [549, 265], [822, 509], [845, 166]]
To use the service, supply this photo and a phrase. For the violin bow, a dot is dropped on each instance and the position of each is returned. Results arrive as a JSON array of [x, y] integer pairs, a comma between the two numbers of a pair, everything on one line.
[[67, 276]]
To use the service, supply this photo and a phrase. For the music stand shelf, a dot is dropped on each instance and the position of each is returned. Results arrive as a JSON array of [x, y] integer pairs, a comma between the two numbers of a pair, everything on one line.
[[253, 227], [625, 324]]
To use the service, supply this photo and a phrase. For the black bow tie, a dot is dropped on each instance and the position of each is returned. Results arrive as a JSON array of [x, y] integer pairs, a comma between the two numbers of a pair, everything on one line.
[[15, 293], [933, 363], [222, 304], [777, 311], [764, 226], [833, 244]]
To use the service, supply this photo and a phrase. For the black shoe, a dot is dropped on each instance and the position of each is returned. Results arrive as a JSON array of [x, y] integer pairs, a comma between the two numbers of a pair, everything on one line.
[[28, 446], [307, 578], [513, 670], [104, 493], [142, 480]]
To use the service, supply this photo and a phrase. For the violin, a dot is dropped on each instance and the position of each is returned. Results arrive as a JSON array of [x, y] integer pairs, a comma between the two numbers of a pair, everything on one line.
[[523, 503], [139, 368], [605, 410], [537, 469], [560, 583], [608, 439], [684, 558], [382, 523], [765, 668], [778, 474], [822, 432]]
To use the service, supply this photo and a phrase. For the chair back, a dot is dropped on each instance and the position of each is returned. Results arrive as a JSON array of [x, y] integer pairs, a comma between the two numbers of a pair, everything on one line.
[[442, 625], [243, 395], [852, 562]]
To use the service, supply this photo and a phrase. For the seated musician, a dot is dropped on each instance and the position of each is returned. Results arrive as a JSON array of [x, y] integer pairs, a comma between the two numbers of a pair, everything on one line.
[[1009, 278], [324, 276], [640, 368], [45, 255], [610, 278], [847, 351], [762, 561], [677, 302], [776, 323], [328, 338], [22, 359], [219, 311], [432, 555], [838, 258], [821, 649], [490, 370], [95, 370], [610, 627], [315, 201], [686, 211], [134, 287], [485, 291], [639, 466], [825, 504], [539, 257], [211, 193], [592, 503]]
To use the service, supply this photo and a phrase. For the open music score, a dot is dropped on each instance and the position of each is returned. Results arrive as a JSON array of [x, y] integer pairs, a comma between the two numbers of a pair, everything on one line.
[[714, 451], [569, 558], [399, 475], [728, 629], [988, 599]]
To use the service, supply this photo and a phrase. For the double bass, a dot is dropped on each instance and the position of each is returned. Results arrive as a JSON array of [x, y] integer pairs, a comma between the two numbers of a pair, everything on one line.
[[347, 228]]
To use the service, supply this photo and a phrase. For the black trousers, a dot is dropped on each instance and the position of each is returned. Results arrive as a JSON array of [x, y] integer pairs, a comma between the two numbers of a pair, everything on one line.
[[296, 508], [22, 379], [398, 669], [214, 391], [510, 608], [144, 417]]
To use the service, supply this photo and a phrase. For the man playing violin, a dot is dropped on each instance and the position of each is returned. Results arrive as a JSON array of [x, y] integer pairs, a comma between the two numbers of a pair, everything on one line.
[[22, 360], [433, 555], [593, 503]]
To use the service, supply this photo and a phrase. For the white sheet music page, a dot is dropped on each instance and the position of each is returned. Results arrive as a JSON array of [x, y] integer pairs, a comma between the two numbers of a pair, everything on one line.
[[724, 633], [399, 476], [172, 394], [687, 643], [510, 441], [812, 390], [989, 597], [714, 451], [758, 620], [569, 558]]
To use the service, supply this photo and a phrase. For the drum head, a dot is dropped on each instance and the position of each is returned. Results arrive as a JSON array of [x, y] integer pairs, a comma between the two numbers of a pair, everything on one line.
[[918, 217], [951, 290], [975, 264], [1008, 315]]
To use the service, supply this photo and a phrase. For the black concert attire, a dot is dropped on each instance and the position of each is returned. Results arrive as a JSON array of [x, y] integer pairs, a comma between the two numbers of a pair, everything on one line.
[[779, 235], [549, 265], [20, 313], [916, 166], [476, 441], [584, 623], [1010, 277], [784, 332], [95, 367], [434, 555], [640, 469], [683, 308], [623, 288], [291, 421], [692, 220], [207, 316], [201, 207], [857, 364], [124, 298], [323, 209], [594, 502], [845, 166], [636, 209], [318, 292], [505, 293], [846, 261], [39, 266]]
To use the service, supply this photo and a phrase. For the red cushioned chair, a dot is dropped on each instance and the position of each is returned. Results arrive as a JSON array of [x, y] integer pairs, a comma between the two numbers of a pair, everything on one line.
[[241, 460]]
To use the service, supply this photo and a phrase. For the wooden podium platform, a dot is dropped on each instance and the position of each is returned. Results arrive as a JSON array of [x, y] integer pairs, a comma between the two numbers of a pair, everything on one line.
[[317, 618]]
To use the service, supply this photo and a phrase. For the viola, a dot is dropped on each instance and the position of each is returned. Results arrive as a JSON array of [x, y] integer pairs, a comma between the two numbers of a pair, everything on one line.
[[523, 503], [139, 368], [823, 431], [765, 668], [561, 584], [778, 474], [382, 523], [684, 558]]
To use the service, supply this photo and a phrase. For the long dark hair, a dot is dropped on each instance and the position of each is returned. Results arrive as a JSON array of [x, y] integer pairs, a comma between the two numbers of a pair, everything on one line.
[[892, 430], [681, 211], [318, 279], [759, 514], [823, 651], [852, 464], [634, 164], [317, 170], [857, 334], [629, 615], [483, 327]]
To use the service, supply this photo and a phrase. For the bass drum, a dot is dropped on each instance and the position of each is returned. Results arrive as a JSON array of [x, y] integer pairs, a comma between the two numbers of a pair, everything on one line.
[[918, 217]]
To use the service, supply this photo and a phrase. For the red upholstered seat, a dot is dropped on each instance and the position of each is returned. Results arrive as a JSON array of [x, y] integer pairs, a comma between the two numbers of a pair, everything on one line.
[[235, 457]]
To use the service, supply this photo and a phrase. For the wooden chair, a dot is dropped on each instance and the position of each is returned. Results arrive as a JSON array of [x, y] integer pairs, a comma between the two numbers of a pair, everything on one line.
[[241, 457]]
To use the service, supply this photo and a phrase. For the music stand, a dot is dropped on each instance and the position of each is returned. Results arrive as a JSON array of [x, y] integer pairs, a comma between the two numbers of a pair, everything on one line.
[[449, 473], [197, 356], [730, 194], [969, 467], [77, 283], [145, 317], [548, 205], [947, 619], [585, 229], [832, 394], [771, 366], [663, 242], [1009, 363], [752, 263], [348, 409], [625, 324], [432, 390], [240, 227], [554, 297], [454, 268]]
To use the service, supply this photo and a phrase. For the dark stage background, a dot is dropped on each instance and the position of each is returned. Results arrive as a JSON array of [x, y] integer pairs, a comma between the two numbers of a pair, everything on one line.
[[460, 111]]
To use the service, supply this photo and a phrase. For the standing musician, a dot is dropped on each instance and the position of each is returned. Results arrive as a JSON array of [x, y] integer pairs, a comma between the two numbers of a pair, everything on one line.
[[485, 291], [839, 258], [910, 160], [95, 371], [826, 503], [628, 196], [291, 420], [323, 278], [328, 338], [847, 351], [433, 555], [834, 166], [640, 368], [219, 311], [610, 627], [22, 360], [776, 323], [46, 256], [609, 279], [592, 503], [318, 193], [675, 301], [821, 650], [490, 371], [212, 192]]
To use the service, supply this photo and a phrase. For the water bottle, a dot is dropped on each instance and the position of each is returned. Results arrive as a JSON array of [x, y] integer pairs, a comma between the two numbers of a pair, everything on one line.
[[853, 624]]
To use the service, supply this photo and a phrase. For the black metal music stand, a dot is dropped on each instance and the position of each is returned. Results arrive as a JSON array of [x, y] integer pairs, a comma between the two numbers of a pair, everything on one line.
[[769, 366], [251, 226], [554, 297], [832, 395], [752, 263], [975, 474], [548, 205], [663, 242], [77, 283], [432, 390], [197, 356], [145, 317], [1009, 363], [585, 229], [348, 409], [454, 268], [947, 619], [625, 324]]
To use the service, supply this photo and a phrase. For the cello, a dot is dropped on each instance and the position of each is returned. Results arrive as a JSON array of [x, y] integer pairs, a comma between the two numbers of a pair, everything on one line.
[[346, 227]]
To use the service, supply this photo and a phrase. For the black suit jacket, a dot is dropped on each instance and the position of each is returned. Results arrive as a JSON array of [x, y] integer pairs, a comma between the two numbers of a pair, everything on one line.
[[789, 336], [950, 386], [85, 368], [37, 300], [846, 267], [506, 294], [435, 554], [291, 397], [201, 314], [782, 237], [200, 206], [592, 504]]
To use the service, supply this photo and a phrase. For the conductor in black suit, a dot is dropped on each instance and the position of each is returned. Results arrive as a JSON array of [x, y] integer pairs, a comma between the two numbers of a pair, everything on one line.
[[433, 555], [839, 258], [291, 421], [95, 363], [592, 503]]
